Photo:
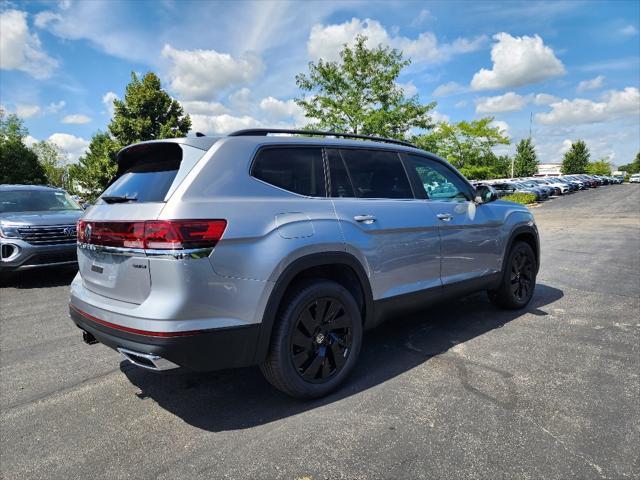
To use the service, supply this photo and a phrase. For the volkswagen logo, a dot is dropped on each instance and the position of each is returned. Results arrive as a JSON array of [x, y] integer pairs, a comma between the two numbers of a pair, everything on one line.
[[69, 231], [87, 233]]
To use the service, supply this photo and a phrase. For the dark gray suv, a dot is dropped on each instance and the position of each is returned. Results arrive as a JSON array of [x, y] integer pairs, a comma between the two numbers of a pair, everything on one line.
[[279, 251], [37, 227]]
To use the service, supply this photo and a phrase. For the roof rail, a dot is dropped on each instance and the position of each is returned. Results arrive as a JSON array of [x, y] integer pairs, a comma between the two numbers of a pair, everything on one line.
[[263, 132]]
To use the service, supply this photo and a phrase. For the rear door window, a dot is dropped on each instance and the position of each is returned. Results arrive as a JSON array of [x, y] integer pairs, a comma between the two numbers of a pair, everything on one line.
[[295, 169], [151, 172], [375, 174]]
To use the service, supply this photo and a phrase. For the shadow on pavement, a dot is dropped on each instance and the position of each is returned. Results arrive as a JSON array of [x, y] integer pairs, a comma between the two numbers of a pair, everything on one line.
[[237, 399], [39, 277]]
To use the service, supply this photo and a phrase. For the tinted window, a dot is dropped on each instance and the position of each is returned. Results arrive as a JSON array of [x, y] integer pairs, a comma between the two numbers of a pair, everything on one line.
[[151, 172], [376, 174], [297, 170], [36, 201], [438, 181], [340, 182]]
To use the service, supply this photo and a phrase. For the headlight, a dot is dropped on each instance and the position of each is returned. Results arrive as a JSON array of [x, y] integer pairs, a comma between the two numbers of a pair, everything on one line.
[[9, 231]]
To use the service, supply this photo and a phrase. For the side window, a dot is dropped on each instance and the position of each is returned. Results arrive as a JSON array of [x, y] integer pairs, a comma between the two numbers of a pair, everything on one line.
[[340, 182], [376, 174], [296, 169], [438, 181]]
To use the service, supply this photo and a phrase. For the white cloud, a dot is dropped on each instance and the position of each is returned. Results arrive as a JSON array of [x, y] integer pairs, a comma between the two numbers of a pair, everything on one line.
[[591, 84], [448, 88], [20, 49], [517, 61], [76, 119], [275, 109], [409, 88], [615, 104], [502, 126], [108, 99], [222, 124], [27, 111], [199, 107], [509, 102], [72, 145], [438, 117], [629, 30], [204, 74], [544, 99], [423, 16], [29, 141], [326, 41], [461, 104], [240, 100]]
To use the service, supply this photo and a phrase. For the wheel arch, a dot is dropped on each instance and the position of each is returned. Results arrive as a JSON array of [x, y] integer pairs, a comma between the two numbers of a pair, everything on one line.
[[528, 234], [341, 267]]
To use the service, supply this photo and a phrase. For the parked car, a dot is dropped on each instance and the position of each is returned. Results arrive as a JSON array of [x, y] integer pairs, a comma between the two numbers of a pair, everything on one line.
[[37, 227], [254, 249], [546, 191], [509, 188], [635, 178]]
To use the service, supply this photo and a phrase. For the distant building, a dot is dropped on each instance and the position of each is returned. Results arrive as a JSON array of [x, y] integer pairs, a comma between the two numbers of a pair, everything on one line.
[[549, 168]]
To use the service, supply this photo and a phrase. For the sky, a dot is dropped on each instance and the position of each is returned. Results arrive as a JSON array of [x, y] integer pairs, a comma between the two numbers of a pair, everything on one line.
[[566, 69]]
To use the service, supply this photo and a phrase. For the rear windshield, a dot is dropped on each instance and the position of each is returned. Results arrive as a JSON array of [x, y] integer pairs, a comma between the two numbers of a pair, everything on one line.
[[36, 201], [151, 172]]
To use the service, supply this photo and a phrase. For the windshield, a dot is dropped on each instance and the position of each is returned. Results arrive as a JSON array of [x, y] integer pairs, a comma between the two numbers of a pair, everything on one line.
[[36, 201]]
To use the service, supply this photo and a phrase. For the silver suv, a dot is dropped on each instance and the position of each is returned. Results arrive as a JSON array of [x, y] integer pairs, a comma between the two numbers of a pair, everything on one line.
[[278, 251]]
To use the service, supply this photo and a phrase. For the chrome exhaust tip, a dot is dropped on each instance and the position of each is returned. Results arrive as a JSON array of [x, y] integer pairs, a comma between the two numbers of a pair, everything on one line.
[[147, 360]]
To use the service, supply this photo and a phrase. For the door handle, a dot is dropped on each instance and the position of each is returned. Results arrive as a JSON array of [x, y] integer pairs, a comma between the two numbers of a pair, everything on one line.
[[445, 217], [366, 219]]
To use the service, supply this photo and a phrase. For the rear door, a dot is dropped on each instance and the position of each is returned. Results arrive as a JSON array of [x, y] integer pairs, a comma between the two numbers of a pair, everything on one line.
[[383, 224], [148, 175], [469, 233]]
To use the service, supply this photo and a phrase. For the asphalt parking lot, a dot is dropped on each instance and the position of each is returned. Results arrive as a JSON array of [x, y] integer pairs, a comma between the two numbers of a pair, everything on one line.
[[460, 390]]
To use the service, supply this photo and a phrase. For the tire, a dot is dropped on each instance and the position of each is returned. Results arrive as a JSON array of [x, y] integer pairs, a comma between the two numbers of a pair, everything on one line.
[[518, 280], [310, 364]]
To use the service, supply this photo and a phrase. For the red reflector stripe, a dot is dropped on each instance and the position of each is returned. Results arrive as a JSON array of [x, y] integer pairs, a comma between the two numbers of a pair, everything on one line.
[[136, 331]]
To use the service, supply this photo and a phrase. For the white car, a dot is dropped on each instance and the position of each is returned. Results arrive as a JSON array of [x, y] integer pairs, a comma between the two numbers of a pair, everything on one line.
[[635, 178]]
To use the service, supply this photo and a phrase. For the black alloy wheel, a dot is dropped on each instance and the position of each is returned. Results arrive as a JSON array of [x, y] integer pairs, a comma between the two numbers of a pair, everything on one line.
[[522, 276], [321, 340]]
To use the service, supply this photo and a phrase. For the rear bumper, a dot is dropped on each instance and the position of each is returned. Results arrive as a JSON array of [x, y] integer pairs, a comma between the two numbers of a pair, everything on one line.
[[200, 350]]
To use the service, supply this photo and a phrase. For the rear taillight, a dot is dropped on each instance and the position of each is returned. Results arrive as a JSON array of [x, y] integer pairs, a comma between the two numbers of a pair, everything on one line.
[[153, 234]]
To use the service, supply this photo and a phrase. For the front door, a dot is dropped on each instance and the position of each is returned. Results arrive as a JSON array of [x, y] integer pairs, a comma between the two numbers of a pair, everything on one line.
[[470, 234]]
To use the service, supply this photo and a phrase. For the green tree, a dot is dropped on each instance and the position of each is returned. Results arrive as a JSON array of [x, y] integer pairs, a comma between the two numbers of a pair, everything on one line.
[[576, 160], [359, 93], [52, 159], [18, 164], [525, 163], [465, 144], [633, 167], [147, 112], [96, 167], [599, 167]]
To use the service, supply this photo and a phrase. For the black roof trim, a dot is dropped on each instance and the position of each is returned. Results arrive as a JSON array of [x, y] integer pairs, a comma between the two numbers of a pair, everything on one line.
[[262, 132]]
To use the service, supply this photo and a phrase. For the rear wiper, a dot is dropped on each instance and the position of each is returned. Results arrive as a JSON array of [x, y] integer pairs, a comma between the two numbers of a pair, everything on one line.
[[118, 199]]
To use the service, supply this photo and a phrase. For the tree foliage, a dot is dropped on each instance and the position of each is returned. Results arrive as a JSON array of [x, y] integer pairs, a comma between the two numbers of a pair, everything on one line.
[[359, 94], [525, 163], [18, 163], [97, 166], [146, 112], [465, 144], [52, 159], [576, 160], [633, 167], [599, 167]]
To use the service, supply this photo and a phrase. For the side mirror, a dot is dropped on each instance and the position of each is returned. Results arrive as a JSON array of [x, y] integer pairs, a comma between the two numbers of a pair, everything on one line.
[[485, 194]]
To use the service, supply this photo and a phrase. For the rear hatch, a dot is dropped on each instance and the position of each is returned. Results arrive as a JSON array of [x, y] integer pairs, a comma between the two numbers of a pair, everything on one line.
[[110, 261]]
